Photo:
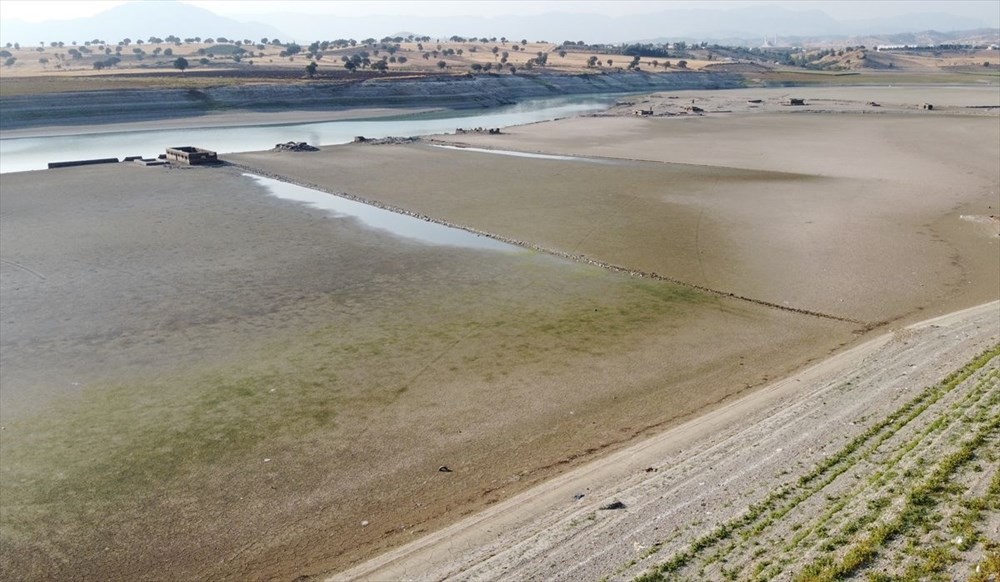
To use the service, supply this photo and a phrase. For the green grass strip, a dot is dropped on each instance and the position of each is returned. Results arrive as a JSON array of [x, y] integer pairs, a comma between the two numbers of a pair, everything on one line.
[[897, 419], [914, 513]]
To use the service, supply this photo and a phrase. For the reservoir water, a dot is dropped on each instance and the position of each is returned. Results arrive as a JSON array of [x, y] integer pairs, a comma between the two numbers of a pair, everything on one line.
[[34, 153]]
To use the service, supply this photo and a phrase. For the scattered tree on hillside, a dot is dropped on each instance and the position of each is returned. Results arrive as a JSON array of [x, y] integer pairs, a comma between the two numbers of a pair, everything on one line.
[[442, 65], [311, 69], [181, 63], [10, 61]]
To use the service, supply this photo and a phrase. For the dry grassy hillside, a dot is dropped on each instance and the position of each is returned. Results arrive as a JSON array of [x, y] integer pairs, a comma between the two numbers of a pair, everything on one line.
[[59, 66], [414, 57]]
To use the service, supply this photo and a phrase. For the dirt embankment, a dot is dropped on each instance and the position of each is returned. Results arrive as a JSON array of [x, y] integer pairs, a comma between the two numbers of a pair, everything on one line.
[[463, 91], [810, 468]]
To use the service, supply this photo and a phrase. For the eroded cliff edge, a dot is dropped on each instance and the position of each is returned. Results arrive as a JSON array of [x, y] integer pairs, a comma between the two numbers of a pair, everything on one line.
[[464, 91]]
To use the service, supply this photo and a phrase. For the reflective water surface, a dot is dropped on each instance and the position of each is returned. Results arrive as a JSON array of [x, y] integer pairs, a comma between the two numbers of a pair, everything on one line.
[[34, 153], [526, 154], [400, 225]]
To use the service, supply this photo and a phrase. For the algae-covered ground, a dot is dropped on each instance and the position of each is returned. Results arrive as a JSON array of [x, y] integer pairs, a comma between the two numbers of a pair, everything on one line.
[[203, 381]]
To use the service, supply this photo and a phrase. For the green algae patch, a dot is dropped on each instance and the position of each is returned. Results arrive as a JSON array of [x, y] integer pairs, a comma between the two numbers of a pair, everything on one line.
[[122, 439], [128, 440]]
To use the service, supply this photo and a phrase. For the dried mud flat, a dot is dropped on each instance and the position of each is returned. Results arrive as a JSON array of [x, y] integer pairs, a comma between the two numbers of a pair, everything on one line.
[[881, 461], [201, 381]]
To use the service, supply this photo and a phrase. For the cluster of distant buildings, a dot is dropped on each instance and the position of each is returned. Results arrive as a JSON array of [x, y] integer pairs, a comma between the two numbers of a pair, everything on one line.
[[927, 47]]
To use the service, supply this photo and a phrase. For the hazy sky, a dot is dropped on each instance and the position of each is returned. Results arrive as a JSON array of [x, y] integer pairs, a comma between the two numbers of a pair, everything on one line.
[[41, 10]]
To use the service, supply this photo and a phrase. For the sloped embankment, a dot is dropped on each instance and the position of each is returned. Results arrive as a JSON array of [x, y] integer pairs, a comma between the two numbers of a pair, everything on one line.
[[452, 92]]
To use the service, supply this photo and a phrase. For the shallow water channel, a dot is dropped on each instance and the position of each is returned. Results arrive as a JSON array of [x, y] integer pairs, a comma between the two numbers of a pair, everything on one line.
[[400, 225], [34, 153], [527, 154]]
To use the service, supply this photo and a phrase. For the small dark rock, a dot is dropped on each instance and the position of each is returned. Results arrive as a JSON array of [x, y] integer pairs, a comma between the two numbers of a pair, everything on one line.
[[444, 469], [613, 505], [294, 146], [578, 497]]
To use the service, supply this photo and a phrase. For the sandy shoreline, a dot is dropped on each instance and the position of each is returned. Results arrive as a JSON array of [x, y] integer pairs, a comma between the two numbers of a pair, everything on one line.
[[156, 329]]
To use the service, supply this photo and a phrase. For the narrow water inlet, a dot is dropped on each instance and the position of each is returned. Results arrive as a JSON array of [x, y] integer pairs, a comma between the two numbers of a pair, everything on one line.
[[517, 154], [400, 225]]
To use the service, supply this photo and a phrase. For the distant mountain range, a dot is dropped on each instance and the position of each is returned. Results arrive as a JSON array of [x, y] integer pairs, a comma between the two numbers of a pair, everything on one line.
[[136, 20], [749, 25]]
